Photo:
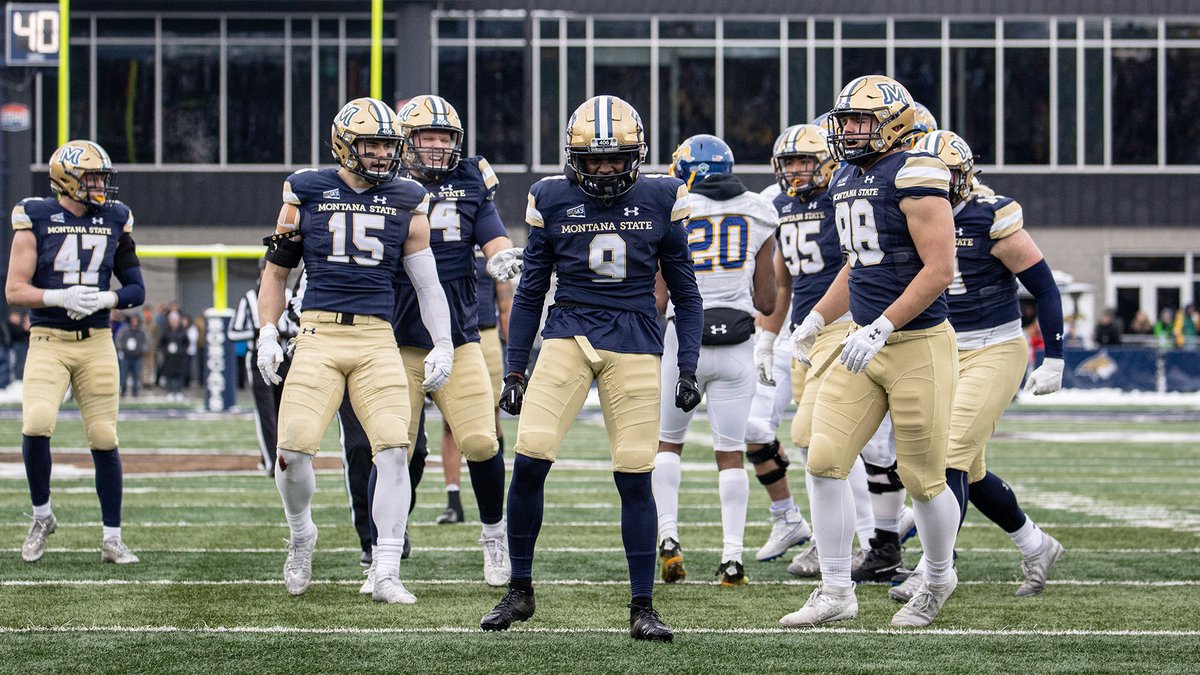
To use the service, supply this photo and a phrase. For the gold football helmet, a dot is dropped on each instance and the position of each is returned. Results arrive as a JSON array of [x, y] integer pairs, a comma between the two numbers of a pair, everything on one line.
[[926, 123], [873, 114], [957, 156], [72, 168], [366, 119], [435, 114], [807, 142], [605, 128]]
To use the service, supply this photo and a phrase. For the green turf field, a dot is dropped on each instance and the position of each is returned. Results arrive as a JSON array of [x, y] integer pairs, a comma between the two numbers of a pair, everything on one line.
[[1123, 497]]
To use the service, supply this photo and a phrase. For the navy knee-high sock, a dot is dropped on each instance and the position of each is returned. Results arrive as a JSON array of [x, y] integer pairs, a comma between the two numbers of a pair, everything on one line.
[[487, 480], [995, 499], [108, 485], [526, 498], [35, 450], [957, 482], [639, 528], [371, 504]]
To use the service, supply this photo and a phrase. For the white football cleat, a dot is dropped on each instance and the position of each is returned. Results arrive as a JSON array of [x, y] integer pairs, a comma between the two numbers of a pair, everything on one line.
[[35, 541], [114, 551], [907, 588], [807, 563], [497, 569], [823, 606], [389, 589], [787, 530], [925, 604], [1037, 566], [297, 569], [368, 587]]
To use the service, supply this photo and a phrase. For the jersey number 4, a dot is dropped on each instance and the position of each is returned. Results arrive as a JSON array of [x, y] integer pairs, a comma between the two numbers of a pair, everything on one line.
[[67, 261], [365, 243]]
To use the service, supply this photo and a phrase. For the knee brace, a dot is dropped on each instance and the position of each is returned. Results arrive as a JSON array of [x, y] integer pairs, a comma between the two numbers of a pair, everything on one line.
[[766, 453], [881, 480]]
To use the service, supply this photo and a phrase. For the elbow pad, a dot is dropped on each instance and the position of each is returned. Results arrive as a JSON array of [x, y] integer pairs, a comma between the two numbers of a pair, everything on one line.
[[283, 250]]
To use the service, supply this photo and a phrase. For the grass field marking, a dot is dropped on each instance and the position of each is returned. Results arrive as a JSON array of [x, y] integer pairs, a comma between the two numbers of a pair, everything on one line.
[[1140, 516], [282, 524], [602, 549], [35, 583], [1133, 437]]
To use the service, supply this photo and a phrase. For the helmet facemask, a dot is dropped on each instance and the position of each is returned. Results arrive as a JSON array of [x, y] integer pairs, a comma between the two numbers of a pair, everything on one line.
[[361, 159], [861, 145], [802, 182], [429, 163], [97, 192], [605, 185]]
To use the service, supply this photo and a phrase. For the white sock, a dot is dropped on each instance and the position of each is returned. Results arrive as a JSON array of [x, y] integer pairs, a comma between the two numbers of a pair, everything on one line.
[[782, 505], [452, 488], [1029, 537], [937, 521], [808, 485], [296, 486], [733, 486], [832, 504], [390, 508], [495, 530], [665, 482], [387, 555], [42, 512], [864, 522], [112, 533], [887, 507]]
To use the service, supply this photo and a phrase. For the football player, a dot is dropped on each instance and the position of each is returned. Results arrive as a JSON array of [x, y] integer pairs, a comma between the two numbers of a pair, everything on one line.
[[65, 251], [894, 221], [605, 231], [730, 235], [354, 227], [993, 252]]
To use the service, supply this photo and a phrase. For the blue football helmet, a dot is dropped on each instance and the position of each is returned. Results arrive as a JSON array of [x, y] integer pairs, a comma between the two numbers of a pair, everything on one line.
[[701, 156]]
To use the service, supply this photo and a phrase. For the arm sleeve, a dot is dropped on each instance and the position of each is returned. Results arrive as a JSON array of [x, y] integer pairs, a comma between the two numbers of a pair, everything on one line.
[[526, 313], [1040, 282], [421, 269], [676, 262], [488, 224], [133, 290]]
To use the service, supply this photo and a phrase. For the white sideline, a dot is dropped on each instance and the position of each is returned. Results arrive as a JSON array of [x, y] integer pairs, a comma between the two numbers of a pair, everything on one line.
[[613, 549], [567, 523], [35, 583]]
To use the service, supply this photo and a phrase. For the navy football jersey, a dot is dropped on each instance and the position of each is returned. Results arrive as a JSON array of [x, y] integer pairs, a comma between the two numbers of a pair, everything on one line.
[[485, 292], [808, 241], [462, 215], [874, 231], [72, 251], [352, 240], [984, 291], [606, 258]]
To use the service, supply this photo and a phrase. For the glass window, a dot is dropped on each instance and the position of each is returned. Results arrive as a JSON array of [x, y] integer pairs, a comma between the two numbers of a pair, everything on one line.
[[1067, 91], [686, 30], [1183, 100], [825, 90], [864, 30], [329, 100], [1134, 29], [552, 127], [918, 30], [859, 61], [492, 28], [823, 30], [49, 112], [1134, 106], [358, 28], [1066, 29], [973, 99], [302, 113], [688, 78], [1026, 30], [972, 30], [798, 112], [576, 30], [191, 28], [1148, 263], [80, 29], [254, 28], [751, 103], [621, 29], [1093, 29], [301, 28], [190, 115], [576, 79], [1183, 31], [81, 95], [125, 118], [920, 69], [452, 28], [1027, 117], [625, 72], [254, 117], [752, 30], [548, 28], [358, 73], [111, 28], [1093, 106], [452, 79], [797, 30], [501, 102]]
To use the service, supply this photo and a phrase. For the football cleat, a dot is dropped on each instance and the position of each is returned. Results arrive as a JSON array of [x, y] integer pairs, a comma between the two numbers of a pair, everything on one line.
[[646, 624], [297, 569], [807, 563], [365, 559], [672, 561], [35, 542], [389, 589], [787, 530], [450, 516], [1037, 566], [907, 588], [908, 524], [925, 604], [516, 605], [497, 569], [114, 551], [880, 563], [824, 606], [406, 552], [732, 573], [368, 587]]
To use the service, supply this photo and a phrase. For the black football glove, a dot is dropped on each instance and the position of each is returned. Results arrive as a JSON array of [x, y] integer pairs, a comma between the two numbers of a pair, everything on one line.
[[687, 394], [513, 394]]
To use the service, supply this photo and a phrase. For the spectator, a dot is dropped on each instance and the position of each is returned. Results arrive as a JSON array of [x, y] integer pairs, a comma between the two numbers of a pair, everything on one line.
[[1072, 339], [1184, 328], [1108, 330], [18, 331], [133, 342], [1141, 324], [193, 336], [172, 344], [1164, 328]]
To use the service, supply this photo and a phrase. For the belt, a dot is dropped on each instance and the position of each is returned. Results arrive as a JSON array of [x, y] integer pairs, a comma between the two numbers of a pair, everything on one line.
[[68, 334], [342, 318]]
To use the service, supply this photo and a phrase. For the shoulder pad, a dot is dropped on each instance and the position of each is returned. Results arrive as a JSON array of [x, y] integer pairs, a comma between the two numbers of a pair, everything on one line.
[[1007, 217], [24, 213], [922, 170]]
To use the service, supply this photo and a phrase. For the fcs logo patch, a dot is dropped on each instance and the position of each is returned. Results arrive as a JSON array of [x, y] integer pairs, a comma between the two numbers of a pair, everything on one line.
[[892, 93], [72, 154], [1097, 368], [332, 194], [576, 212]]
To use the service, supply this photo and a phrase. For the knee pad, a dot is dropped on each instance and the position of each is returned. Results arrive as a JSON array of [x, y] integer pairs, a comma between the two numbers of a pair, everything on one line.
[[759, 430], [38, 419], [766, 453], [478, 447], [881, 480], [922, 487], [102, 436]]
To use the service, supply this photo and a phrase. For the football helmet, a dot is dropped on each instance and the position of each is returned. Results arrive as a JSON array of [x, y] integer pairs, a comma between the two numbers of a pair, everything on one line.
[[366, 119], [882, 114], [926, 123], [804, 141], [956, 154], [433, 113], [71, 163], [699, 157], [605, 127]]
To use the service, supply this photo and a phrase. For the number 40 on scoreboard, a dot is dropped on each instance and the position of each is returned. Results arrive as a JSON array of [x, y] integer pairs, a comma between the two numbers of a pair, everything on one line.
[[32, 34]]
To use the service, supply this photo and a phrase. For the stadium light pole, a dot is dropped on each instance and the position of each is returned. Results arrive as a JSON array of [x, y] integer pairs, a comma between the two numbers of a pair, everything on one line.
[[64, 72], [377, 49]]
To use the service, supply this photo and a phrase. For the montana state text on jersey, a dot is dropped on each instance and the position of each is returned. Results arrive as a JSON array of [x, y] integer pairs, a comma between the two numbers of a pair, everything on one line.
[[984, 292], [808, 242]]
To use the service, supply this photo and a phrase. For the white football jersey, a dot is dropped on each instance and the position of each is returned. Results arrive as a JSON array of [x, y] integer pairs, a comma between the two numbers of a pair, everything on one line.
[[724, 237]]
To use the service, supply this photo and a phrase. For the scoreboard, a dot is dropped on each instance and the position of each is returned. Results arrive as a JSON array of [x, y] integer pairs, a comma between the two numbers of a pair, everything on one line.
[[32, 34]]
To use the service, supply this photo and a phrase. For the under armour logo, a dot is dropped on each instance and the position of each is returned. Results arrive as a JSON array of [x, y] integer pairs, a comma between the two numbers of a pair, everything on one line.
[[869, 179], [379, 199], [812, 206], [631, 210], [98, 220], [309, 330], [958, 232], [447, 187], [715, 330]]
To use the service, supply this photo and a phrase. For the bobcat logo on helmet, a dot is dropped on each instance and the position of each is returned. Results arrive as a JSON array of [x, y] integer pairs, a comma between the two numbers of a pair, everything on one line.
[[422, 120], [71, 170], [893, 93], [957, 156], [366, 119]]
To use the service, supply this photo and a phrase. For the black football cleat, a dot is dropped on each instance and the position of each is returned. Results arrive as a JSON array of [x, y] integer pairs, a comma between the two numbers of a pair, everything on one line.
[[406, 552], [516, 605], [645, 624], [882, 563]]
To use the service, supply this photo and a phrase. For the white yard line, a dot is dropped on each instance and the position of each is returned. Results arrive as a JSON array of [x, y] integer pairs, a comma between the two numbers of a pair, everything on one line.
[[281, 524], [35, 583], [1130, 515], [600, 549]]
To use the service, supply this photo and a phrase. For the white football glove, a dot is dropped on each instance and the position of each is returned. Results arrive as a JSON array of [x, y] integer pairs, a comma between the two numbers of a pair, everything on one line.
[[864, 343], [1046, 378], [270, 354], [764, 357], [79, 301], [805, 336], [108, 300], [506, 264], [438, 364]]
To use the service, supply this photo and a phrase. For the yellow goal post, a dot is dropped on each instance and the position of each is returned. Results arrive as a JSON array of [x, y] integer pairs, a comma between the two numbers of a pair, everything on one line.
[[218, 253]]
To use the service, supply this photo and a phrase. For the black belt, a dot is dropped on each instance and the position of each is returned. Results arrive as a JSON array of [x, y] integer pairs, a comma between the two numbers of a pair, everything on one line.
[[346, 318]]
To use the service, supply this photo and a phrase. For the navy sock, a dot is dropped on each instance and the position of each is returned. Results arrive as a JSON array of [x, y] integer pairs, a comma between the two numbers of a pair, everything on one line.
[[639, 529], [108, 485], [957, 482], [995, 499], [500, 442], [487, 480], [36, 452], [525, 501], [371, 503], [416, 461]]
